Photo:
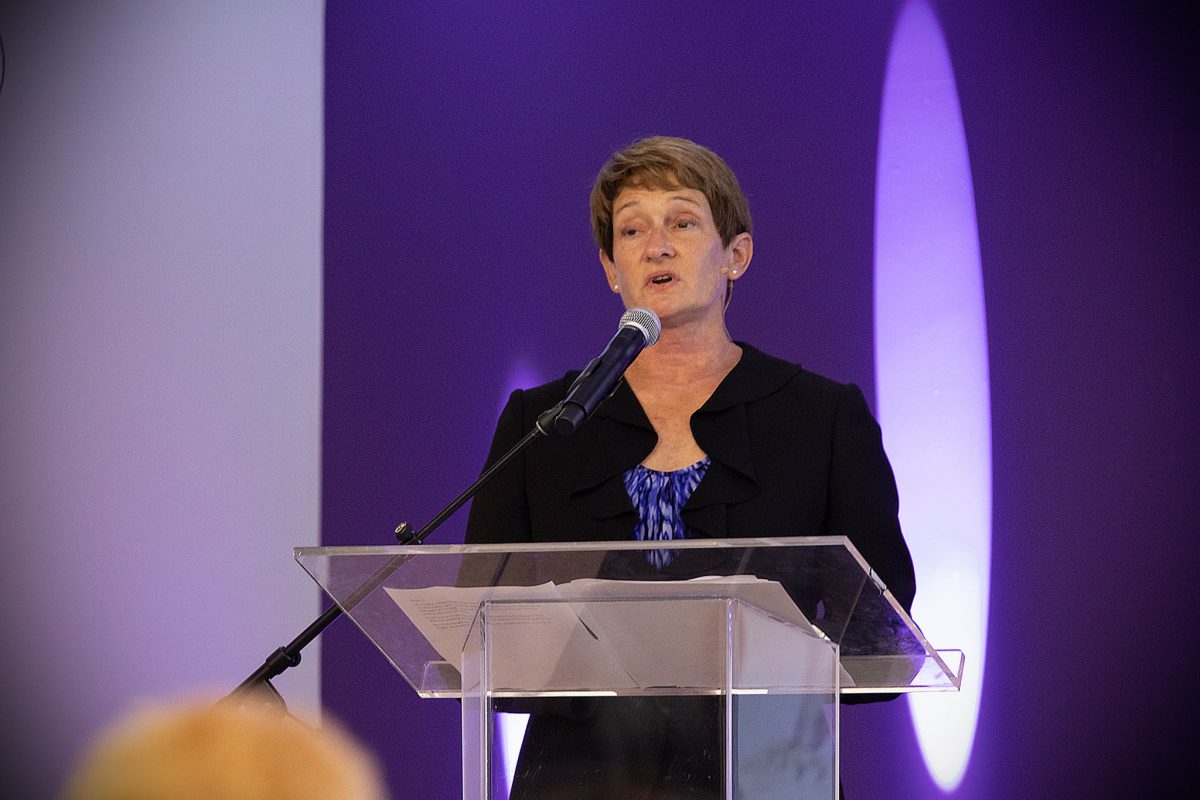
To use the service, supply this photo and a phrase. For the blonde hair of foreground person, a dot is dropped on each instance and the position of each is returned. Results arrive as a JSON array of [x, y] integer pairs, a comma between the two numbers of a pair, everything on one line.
[[198, 751]]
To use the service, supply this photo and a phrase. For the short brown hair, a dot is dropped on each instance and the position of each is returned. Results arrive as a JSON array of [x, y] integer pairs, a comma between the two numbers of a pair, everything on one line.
[[669, 162]]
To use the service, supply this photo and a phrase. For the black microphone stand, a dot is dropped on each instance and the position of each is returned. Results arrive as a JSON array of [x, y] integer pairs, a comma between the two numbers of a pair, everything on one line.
[[289, 655]]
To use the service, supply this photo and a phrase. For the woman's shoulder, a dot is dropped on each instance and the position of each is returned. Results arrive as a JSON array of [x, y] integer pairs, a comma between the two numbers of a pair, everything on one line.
[[762, 375], [550, 390], [527, 403]]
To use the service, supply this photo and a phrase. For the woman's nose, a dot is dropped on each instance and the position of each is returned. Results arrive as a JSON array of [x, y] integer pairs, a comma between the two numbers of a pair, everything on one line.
[[658, 243]]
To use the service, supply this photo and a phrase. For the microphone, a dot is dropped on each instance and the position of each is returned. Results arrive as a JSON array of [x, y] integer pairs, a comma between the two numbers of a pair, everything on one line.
[[638, 330]]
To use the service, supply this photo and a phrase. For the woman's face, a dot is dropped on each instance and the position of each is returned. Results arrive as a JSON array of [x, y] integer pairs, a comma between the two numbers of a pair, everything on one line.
[[668, 256]]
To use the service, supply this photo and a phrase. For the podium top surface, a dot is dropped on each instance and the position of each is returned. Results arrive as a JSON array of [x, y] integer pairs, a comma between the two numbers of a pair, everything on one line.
[[397, 594]]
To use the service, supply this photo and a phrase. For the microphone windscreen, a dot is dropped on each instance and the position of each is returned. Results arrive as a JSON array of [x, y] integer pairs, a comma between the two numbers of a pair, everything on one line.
[[644, 320]]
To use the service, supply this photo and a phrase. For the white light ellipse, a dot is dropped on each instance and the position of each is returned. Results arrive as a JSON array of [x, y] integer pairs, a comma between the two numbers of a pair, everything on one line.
[[931, 369]]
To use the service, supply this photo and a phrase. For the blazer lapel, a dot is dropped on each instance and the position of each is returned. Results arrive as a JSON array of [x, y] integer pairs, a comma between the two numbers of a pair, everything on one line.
[[730, 478], [722, 429], [620, 438]]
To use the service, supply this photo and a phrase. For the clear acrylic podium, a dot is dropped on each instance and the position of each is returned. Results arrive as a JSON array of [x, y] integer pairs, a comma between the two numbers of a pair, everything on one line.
[[717, 675]]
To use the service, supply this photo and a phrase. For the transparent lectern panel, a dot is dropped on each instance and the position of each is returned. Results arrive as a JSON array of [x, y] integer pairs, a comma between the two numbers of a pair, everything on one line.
[[417, 603], [664, 696]]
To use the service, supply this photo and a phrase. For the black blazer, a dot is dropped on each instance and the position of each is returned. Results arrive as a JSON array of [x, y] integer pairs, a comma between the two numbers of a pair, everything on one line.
[[792, 454]]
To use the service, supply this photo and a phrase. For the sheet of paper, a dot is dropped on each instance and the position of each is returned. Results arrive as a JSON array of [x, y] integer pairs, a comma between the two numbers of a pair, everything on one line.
[[666, 638], [768, 595], [620, 635], [544, 645]]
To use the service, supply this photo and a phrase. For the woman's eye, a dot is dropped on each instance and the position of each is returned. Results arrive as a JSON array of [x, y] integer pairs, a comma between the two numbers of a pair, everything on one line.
[[686, 223], [627, 232]]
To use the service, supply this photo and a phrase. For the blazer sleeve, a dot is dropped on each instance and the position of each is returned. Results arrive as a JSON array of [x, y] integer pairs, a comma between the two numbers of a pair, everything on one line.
[[500, 511], [863, 503]]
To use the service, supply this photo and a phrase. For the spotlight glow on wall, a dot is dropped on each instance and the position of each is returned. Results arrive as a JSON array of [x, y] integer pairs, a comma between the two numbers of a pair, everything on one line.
[[931, 367]]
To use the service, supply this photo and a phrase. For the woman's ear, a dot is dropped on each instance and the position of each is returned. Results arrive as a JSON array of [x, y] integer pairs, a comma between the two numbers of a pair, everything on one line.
[[742, 250], [610, 271]]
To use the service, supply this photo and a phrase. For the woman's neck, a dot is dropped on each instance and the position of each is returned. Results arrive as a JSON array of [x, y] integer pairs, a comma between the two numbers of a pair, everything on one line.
[[684, 356]]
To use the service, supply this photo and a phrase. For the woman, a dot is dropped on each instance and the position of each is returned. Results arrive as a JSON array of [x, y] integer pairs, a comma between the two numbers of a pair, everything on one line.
[[705, 438]]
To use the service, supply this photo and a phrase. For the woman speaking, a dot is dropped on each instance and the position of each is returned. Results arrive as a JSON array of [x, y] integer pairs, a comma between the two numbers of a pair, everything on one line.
[[705, 438]]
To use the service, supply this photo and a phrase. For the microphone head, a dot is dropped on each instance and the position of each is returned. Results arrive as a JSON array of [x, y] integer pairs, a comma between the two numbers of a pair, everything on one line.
[[645, 321]]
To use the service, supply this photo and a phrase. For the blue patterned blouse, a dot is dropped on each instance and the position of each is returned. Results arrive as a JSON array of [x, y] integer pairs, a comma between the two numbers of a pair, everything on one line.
[[659, 498]]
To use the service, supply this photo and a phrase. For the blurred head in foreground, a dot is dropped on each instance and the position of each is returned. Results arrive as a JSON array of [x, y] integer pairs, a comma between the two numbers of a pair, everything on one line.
[[247, 752]]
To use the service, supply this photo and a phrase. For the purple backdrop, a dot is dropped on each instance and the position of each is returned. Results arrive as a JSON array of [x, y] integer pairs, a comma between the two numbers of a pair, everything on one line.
[[461, 140]]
